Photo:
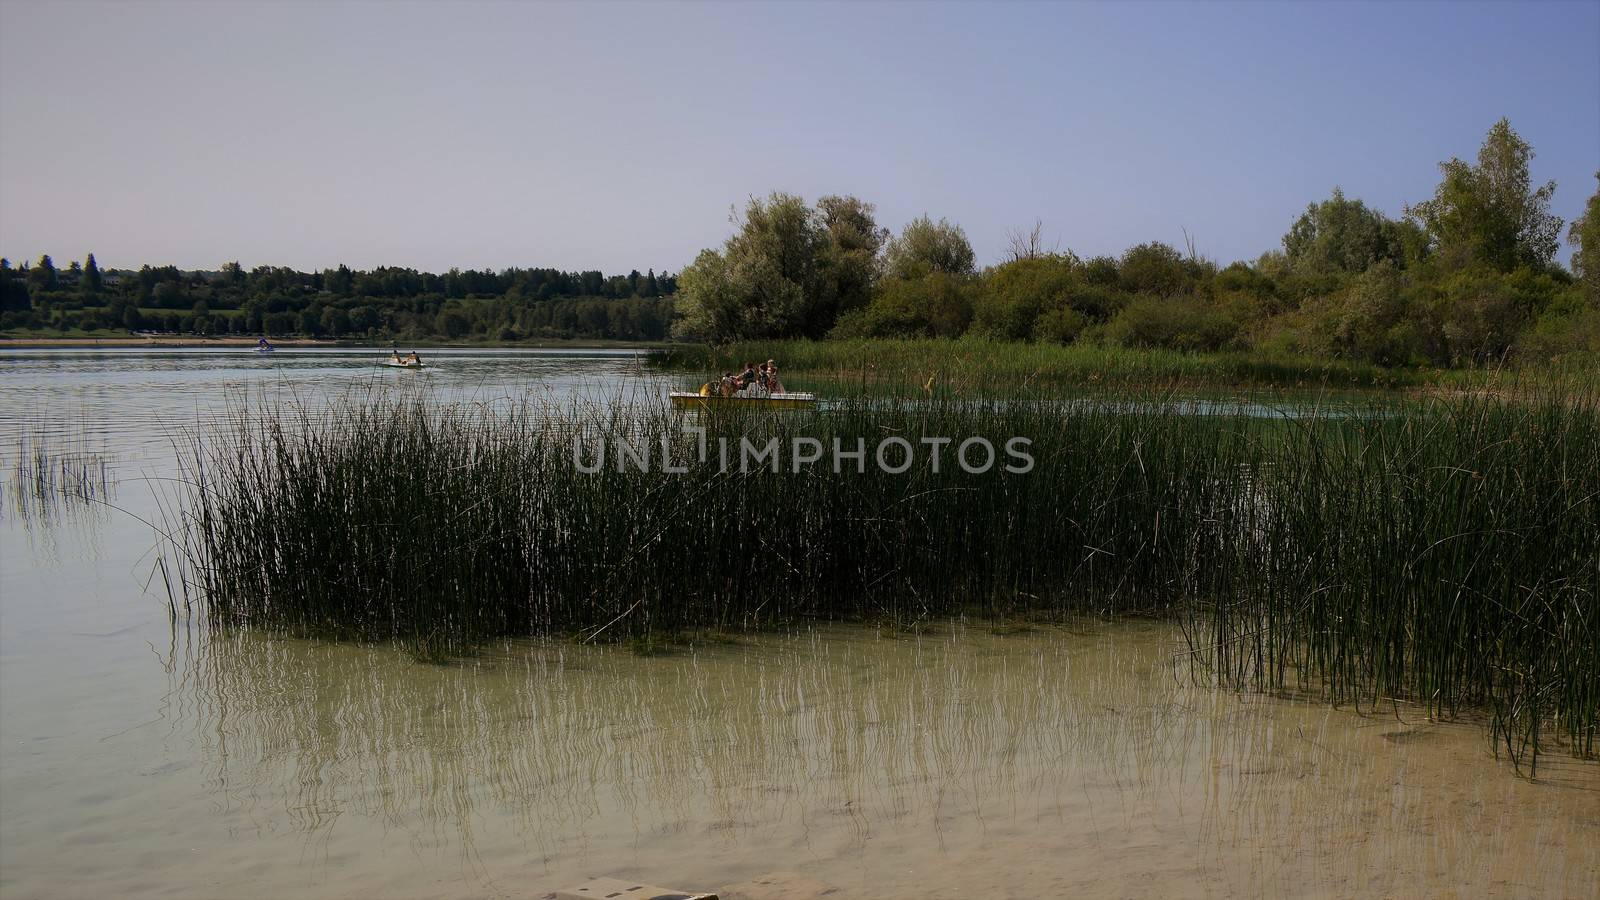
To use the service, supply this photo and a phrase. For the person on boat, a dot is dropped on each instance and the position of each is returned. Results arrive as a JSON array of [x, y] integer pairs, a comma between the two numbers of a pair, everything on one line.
[[772, 383], [728, 384]]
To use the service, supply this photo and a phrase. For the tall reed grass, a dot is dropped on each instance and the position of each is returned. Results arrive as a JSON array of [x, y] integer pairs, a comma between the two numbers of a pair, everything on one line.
[[52, 475], [1442, 550]]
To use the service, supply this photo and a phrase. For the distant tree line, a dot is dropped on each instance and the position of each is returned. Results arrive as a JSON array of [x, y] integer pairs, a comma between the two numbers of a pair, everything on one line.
[[383, 303], [1468, 277]]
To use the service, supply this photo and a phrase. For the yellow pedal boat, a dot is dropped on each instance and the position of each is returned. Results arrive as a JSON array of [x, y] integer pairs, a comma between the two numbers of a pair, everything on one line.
[[706, 399]]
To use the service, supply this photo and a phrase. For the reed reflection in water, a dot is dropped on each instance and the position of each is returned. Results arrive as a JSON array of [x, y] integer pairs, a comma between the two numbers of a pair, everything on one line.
[[952, 763], [51, 476]]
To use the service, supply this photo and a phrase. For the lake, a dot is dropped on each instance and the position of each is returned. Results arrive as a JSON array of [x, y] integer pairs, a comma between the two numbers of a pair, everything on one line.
[[142, 758]]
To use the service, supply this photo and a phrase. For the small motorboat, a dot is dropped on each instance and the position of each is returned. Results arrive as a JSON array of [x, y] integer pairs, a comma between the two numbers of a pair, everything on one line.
[[706, 398], [263, 346]]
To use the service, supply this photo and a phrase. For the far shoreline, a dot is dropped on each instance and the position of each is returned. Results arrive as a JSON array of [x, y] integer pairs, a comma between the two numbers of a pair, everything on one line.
[[188, 342]]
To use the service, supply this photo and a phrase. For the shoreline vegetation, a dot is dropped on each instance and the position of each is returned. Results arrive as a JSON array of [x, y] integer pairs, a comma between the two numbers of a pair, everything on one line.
[[1466, 280], [1437, 549], [978, 362], [978, 365]]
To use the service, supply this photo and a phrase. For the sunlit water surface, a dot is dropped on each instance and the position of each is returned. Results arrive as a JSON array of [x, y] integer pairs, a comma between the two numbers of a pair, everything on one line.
[[139, 760]]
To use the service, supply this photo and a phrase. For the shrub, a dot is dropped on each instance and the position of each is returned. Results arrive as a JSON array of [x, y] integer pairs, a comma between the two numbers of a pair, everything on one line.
[[1061, 325], [1172, 324], [1377, 319], [935, 305]]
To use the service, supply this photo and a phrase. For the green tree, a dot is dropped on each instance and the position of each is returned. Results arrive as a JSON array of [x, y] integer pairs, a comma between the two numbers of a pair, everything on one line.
[[1103, 271], [1489, 212], [1155, 268], [1018, 293], [936, 305], [777, 256], [708, 304], [1377, 320], [1180, 323], [1584, 235], [1342, 235], [453, 323], [13, 289], [766, 282], [335, 321], [91, 282], [1480, 314], [853, 258], [927, 246], [339, 281], [365, 319], [43, 277]]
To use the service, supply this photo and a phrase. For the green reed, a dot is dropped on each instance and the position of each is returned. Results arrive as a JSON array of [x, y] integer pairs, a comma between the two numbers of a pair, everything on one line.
[[1442, 550], [54, 474], [1446, 553]]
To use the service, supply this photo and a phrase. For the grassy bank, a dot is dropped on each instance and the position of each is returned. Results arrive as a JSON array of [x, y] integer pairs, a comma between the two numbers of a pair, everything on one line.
[[1441, 550], [968, 362]]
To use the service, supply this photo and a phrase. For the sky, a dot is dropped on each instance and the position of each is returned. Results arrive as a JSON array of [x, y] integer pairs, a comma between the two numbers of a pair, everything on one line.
[[618, 136]]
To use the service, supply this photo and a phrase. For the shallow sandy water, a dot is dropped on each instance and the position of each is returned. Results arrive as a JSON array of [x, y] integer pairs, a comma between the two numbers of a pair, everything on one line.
[[956, 763]]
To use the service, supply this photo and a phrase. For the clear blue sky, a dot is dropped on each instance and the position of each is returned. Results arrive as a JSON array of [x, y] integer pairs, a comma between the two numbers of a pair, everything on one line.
[[616, 136]]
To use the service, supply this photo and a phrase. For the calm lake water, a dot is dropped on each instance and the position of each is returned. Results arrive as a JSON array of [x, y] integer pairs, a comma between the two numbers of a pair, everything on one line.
[[138, 760]]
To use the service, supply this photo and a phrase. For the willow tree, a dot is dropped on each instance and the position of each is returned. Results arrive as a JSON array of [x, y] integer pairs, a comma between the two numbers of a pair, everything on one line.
[[1342, 235], [786, 271], [926, 246], [854, 255]]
